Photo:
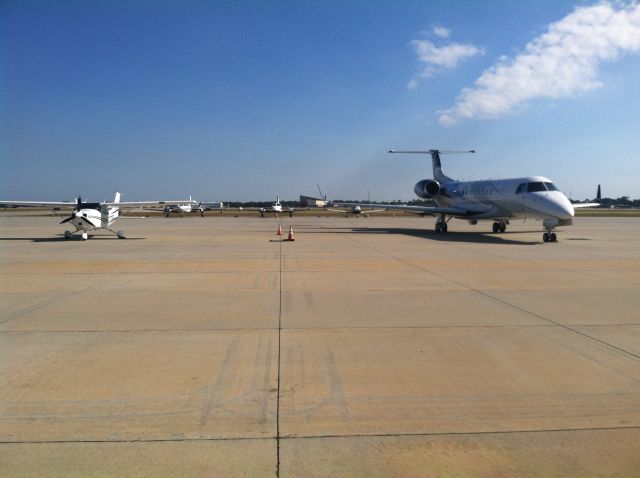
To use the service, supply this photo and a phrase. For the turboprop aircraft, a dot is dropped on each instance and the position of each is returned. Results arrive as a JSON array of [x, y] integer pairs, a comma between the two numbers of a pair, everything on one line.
[[497, 200], [356, 210], [276, 208], [91, 216], [182, 207]]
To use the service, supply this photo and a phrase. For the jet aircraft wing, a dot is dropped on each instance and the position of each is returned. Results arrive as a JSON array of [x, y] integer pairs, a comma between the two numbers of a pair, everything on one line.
[[453, 211], [586, 204]]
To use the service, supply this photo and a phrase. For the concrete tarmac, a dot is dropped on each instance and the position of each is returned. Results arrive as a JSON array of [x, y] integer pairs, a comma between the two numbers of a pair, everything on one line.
[[367, 348]]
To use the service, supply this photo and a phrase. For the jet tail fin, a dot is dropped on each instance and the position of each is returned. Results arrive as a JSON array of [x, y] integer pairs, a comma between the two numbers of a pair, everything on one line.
[[438, 175]]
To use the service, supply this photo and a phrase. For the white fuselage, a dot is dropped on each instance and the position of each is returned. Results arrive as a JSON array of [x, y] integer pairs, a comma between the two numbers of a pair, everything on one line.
[[527, 197], [88, 219]]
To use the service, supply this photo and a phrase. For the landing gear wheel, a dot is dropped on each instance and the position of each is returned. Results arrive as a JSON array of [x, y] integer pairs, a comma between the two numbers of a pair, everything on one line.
[[441, 227], [502, 227], [496, 227], [552, 237], [545, 237], [67, 235], [120, 235], [85, 236]]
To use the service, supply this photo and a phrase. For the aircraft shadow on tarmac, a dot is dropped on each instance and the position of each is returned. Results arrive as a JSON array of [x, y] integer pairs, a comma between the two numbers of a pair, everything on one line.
[[451, 236], [61, 238]]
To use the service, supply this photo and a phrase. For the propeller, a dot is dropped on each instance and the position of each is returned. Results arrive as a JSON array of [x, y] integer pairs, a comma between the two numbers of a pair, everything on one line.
[[83, 219], [77, 208]]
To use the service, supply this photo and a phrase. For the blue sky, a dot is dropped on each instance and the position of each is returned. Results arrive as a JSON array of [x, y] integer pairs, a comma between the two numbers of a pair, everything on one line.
[[243, 100]]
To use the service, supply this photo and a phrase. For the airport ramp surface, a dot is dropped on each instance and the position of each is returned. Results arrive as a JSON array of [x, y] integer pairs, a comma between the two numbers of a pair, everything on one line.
[[366, 348]]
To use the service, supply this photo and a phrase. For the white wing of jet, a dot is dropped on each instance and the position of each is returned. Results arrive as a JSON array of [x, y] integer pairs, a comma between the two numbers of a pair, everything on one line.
[[586, 204], [416, 209]]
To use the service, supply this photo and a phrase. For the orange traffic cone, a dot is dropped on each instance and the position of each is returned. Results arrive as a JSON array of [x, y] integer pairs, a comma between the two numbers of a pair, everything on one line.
[[291, 237], [279, 233]]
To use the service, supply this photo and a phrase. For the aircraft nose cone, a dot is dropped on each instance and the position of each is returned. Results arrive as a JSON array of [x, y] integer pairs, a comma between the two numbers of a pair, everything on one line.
[[559, 206]]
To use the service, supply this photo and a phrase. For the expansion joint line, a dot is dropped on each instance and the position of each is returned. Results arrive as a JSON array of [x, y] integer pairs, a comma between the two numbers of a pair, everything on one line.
[[279, 349]]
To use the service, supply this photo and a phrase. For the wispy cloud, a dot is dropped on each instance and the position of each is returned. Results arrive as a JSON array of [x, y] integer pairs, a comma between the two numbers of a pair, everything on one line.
[[441, 32], [559, 63], [435, 59]]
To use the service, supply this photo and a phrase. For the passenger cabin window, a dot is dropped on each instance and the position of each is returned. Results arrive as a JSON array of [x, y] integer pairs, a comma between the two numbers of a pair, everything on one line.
[[535, 187], [521, 188]]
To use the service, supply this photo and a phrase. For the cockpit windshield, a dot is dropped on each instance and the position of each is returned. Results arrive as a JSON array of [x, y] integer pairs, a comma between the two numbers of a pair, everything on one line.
[[535, 187]]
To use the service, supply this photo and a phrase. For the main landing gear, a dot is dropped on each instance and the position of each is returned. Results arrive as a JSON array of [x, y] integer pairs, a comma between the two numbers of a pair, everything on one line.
[[441, 224], [84, 236], [500, 226], [549, 237]]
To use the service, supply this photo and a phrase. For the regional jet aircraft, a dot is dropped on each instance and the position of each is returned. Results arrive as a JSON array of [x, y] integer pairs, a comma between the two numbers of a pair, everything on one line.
[[497, 200], [87, 217]]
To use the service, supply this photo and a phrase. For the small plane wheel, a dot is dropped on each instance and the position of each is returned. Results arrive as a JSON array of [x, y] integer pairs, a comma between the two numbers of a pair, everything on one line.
[[496, 227], [120, 235], [67, 235], [545, 237], [502, 227], [438, 228], [552, 237], [85, 236], [444, 227]]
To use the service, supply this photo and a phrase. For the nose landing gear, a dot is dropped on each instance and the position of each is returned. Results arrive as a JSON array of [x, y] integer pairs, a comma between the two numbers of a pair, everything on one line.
[[549, 224]]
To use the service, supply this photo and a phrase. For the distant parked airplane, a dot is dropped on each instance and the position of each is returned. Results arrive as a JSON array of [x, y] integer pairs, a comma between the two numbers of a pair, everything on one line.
[[276, 208], [497, 200], [91, 216]]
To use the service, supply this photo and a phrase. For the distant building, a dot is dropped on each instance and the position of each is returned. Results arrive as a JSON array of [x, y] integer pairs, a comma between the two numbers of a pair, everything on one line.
[[308, 201]]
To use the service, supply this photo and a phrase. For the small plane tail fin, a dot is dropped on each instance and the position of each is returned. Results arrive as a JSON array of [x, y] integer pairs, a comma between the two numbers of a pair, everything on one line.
[[112, 212]]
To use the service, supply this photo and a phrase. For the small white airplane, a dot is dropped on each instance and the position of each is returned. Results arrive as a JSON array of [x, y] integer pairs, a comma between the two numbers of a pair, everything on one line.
[[276, 208], [356, 210], [91, 216], [497, 200], [183, 207]]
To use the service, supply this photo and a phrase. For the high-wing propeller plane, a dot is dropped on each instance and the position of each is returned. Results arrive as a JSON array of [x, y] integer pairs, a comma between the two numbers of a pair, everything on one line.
[[497, 200], [91, 216]]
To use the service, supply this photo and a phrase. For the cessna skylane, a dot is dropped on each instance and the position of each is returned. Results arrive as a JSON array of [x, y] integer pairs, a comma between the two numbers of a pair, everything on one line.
[[497, 200], [91, 216]]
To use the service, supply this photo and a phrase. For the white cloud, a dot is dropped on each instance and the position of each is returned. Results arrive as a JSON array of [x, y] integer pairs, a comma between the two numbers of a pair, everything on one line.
[[441, 32], [561, 62], [436, 58]]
